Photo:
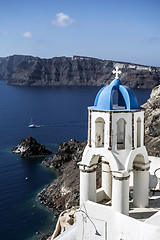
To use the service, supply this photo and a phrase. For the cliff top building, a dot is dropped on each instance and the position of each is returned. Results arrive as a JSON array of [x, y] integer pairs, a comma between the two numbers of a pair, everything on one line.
[[116, 154]]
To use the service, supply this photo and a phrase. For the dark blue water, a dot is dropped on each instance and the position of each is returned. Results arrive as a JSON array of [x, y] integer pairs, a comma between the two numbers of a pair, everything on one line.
[[62, 114]]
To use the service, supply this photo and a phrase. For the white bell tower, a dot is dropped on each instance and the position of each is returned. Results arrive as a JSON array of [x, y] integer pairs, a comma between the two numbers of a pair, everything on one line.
[[116, 145]]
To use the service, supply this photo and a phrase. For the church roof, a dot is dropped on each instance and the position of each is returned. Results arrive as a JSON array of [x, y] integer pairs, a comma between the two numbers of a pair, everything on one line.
[[105, 99]]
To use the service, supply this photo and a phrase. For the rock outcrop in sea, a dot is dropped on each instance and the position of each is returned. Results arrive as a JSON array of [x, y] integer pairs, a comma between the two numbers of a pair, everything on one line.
[[30, 148], [74, 71]]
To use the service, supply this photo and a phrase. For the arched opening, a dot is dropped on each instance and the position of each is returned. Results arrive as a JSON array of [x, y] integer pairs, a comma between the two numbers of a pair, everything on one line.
[[140, 182], [139, 132], [103, 181], [121, 134], [99, 174], [139, 159], [99, 132], [115, 98], [118, 100]]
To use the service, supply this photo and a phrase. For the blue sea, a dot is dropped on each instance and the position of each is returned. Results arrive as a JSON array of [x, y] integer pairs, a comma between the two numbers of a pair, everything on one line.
[[62, 114]]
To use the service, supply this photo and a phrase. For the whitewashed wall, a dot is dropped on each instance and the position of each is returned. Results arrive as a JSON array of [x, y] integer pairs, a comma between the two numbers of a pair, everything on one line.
[[102, 222]]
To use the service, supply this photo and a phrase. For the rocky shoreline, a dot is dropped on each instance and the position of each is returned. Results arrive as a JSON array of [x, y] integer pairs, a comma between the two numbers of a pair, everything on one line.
[[63, 193]]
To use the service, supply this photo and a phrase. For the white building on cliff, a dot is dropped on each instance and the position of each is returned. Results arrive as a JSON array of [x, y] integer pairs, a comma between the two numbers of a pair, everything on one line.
[[122, 207]]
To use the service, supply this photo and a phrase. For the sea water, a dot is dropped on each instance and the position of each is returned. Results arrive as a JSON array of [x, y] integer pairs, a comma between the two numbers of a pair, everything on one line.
[[61, 113]]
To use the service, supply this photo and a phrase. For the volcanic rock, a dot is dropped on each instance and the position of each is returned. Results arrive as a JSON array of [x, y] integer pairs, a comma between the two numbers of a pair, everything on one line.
[[30, 148], [63, 193], [152, 123], [9, 64]]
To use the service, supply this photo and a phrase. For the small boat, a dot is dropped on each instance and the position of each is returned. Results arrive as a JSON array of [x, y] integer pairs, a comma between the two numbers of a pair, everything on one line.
[[32, 125]]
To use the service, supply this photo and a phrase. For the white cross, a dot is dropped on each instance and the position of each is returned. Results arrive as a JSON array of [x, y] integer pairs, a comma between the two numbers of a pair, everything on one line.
[[117, 71]]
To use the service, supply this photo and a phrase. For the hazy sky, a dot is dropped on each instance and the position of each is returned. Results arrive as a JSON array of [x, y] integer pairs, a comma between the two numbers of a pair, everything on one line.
[[121, 30]]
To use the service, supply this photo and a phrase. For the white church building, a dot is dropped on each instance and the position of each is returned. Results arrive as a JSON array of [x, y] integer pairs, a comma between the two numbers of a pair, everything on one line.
[[126, 204]]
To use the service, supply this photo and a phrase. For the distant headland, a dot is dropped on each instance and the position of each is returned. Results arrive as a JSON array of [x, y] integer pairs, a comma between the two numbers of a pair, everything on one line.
[[24, 70]]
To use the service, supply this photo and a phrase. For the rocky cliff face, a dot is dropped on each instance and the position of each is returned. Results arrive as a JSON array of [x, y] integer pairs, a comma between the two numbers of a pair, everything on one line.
[[152, 123], [63, 193], [82, 71], [9, 64]]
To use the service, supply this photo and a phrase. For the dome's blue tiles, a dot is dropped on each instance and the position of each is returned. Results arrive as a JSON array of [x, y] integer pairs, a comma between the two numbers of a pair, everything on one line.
[[126, 97]]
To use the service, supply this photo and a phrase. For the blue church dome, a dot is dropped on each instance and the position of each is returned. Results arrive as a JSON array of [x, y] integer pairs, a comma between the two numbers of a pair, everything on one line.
[[125, 97]]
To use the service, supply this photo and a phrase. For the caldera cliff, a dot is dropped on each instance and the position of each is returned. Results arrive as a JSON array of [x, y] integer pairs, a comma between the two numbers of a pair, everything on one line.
[[74, 71]]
